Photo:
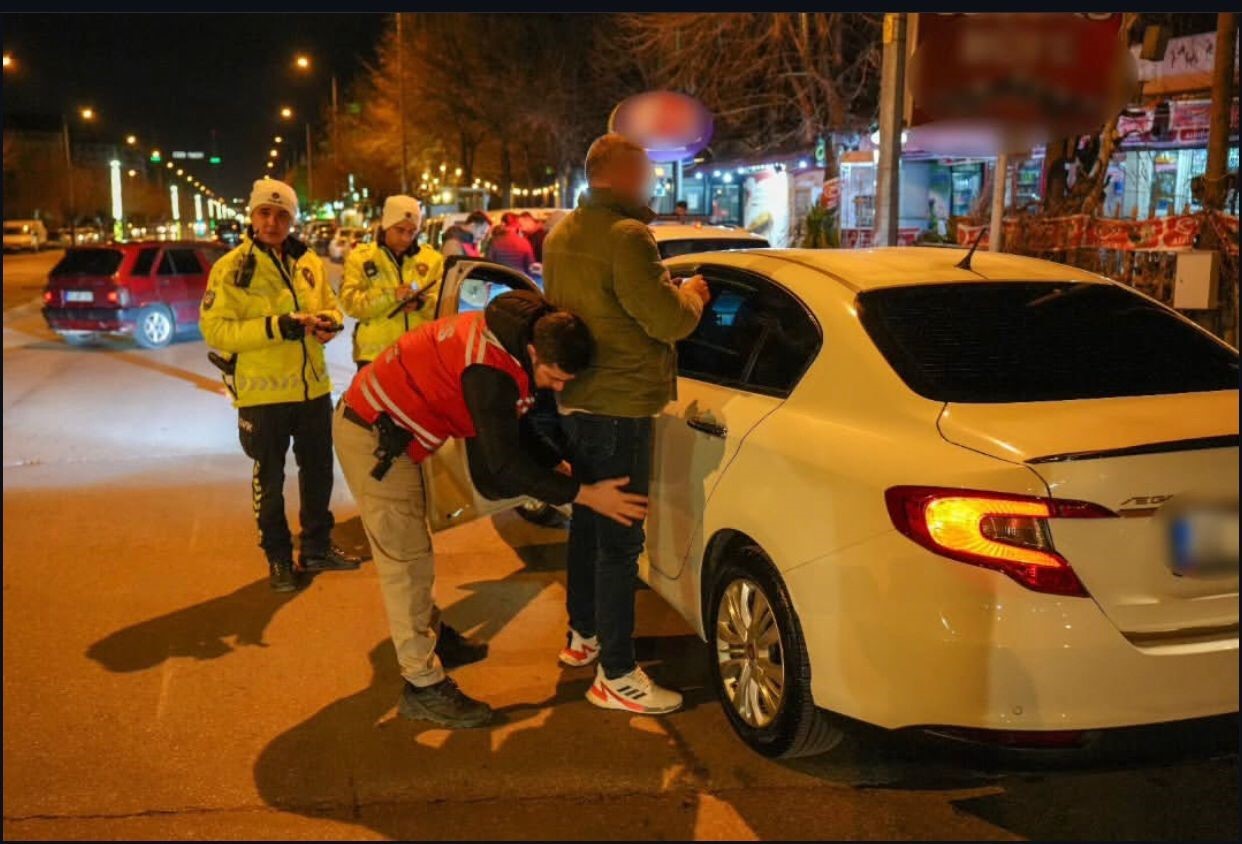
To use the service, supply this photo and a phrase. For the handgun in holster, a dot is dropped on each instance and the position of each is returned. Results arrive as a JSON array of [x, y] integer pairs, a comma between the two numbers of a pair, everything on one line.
[[227, 366], [393, 441]]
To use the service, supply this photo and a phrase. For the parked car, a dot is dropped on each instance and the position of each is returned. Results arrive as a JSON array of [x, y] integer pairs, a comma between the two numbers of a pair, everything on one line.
[[229, 232], [675, 239], [24, 234], [319, 235], [998, 503], [148, 290], [346, 238]]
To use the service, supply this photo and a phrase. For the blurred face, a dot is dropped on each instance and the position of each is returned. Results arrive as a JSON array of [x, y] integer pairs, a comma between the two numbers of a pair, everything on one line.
[[631, 178], [399, 237], [547, 376], [479, 230], [271, 224]]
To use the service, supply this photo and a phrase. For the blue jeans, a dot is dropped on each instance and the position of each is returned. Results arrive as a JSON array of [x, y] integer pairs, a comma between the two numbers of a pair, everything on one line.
[[603, 554]]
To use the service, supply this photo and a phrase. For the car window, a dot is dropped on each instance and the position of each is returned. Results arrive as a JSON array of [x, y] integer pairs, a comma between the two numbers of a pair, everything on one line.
[[88, 262], [186, 261], [753, 335], [166, 264], [1040, 341], [677, 248], [144, 261]]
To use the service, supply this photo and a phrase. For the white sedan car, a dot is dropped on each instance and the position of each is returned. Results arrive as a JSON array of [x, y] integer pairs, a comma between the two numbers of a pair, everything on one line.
[[995, 502], [345, 239]]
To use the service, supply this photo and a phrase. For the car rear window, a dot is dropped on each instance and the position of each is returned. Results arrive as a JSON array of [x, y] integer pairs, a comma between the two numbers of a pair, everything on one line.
[[1040, 341], [675, 248], [88, 262]]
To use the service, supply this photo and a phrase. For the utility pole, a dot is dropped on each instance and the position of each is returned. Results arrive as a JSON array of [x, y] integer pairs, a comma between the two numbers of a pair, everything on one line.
[[73, 212], [405, 159], [1000, 178], [310, 191], [892, 102], [336, 149]]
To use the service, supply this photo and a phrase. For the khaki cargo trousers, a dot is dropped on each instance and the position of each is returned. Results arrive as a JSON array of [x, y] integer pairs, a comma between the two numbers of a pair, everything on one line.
[[394, 516]]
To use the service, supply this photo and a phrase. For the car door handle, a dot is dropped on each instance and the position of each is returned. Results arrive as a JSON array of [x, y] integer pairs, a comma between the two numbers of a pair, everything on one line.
[[712, 429]]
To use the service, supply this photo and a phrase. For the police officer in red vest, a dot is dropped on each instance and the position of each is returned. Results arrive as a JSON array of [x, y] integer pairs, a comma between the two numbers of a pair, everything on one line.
[[473, 376]]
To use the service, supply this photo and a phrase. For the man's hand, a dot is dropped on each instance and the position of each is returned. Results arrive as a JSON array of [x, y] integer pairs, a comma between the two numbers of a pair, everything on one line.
[[607, 499], [698, 286], [565, 469], [415, 304], [293, 326], [325, 328]]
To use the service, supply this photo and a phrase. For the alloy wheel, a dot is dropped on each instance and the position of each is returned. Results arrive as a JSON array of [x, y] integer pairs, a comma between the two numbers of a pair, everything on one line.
[[748, 647], [157, 327]]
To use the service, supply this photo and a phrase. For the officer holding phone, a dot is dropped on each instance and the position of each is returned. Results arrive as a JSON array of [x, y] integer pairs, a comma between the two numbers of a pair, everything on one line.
[[269, 309], [390, 285]]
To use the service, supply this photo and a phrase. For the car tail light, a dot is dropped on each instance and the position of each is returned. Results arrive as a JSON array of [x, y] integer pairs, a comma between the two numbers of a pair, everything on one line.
[[114, 297], [1008, 533], [48, 297]]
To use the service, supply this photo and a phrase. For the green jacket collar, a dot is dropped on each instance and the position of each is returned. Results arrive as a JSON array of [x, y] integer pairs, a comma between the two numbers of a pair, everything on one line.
[[605, 198]]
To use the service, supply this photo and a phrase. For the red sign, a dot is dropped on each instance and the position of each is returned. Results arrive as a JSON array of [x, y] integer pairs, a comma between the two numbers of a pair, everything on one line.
[[1014, 78], [669, 125], [831, 196]]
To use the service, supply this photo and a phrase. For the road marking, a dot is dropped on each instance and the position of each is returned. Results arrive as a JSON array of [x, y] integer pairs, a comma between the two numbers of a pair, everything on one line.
[[165, 681]]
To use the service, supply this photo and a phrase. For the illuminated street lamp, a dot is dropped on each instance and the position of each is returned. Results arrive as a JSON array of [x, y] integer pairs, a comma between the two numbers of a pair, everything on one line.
[[131, 139], [270, 165], [286, 113], [302, 61], [278, 139], [272, 153], [9, 62], [87, 113]]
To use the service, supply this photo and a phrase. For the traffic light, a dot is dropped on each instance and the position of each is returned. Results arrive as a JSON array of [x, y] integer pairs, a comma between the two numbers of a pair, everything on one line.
[[155, 156], [215, 159]]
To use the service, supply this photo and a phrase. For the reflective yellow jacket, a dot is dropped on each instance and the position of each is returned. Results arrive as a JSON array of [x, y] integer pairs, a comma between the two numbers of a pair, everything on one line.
[[249, 288], [369, 293]]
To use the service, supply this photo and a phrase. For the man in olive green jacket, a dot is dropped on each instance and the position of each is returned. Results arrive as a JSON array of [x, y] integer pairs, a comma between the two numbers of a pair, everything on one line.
[[601, 262]]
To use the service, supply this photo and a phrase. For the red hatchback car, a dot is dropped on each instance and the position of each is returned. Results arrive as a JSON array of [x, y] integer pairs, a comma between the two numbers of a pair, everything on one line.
[[148, 289]]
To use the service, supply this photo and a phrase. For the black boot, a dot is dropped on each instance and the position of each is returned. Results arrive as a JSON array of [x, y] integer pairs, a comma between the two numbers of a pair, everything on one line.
[[280, 576], [334, 559], [444, 704], [456, 650]]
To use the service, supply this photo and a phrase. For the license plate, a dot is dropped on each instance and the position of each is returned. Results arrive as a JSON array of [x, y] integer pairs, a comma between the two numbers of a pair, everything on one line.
[[79, 296], [1205, 543]]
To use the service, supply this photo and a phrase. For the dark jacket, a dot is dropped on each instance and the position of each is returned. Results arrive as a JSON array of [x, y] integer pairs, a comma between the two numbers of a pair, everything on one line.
[[601, 263], [512, 455]]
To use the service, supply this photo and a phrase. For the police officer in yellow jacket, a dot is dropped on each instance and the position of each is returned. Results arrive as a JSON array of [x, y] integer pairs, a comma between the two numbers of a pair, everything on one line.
[[270, 309], [380, 275]]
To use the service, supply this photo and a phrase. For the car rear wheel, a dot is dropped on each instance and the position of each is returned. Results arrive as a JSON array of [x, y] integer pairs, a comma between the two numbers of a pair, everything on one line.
[[759, 663], [155, 327]]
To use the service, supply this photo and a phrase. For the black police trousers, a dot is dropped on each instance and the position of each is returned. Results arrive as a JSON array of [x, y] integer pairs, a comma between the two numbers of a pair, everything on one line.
[[265, 431]]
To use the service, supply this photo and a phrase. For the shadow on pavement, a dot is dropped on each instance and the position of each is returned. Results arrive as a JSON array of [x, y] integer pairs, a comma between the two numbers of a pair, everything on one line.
[[202, 631], [199, 631]]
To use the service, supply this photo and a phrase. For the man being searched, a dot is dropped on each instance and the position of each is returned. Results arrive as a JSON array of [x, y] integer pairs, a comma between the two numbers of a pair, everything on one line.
[[602, 263], [392, 270], [473, 376], [270, 309]]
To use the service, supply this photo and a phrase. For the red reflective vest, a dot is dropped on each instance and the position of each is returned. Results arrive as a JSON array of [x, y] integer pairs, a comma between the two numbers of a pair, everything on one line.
[[417, 380]]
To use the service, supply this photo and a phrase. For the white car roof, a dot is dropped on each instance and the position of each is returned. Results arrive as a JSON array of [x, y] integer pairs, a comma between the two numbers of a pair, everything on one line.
[[897, 266], [690, 231]]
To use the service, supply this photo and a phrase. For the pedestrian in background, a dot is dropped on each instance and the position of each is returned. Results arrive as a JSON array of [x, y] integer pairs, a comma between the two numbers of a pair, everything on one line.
[[389, 270], [508, 247], [465, 238], [270, 308], [601, 262], [533, 231]]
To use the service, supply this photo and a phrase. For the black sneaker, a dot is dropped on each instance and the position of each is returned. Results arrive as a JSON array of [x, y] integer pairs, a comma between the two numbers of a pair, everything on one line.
[[444, 704], [455, 650], [280, 576], [333, 560]]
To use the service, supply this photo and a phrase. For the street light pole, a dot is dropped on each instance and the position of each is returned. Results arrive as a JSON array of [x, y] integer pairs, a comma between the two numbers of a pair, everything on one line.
[[73, 215], [336, 149], [892, 89], [309, 167], [405, 160]]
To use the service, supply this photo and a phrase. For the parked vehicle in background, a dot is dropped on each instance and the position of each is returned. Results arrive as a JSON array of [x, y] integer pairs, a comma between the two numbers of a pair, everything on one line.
[[229, 232], [345, 239], [149, 290], [1020, 527], [87, 235], [319, 235], [24, 234], [675, 238]]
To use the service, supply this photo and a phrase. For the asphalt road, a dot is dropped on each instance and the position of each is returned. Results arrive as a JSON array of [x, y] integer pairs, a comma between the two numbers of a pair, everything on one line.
[[155, 688]]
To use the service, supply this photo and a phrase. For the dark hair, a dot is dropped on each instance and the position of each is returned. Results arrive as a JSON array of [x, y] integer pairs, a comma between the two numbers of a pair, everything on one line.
[[563, 339], [681, 203], [477, 217], [508, 218]]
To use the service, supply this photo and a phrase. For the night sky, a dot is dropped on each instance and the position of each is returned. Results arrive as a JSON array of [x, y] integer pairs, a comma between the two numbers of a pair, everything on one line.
[[171, 79]]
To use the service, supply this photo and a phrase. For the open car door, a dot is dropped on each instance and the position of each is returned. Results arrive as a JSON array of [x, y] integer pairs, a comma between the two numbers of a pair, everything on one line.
[[469, 285]]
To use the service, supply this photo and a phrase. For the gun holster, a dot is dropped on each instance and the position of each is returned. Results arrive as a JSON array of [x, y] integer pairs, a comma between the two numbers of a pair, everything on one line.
[[393, 441], [227, 367]]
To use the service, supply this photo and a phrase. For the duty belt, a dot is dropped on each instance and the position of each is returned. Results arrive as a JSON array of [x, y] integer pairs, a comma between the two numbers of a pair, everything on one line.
[[355, 417]]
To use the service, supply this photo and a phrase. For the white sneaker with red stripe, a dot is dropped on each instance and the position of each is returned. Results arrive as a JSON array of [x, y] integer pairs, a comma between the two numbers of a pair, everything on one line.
[[579, 651], [633, 692]]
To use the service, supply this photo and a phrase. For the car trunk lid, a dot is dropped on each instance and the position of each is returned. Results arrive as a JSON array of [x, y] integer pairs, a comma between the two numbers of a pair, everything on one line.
[[1167, 465]]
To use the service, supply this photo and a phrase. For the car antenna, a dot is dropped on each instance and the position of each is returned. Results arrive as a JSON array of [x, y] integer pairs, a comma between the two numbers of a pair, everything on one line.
[[964, 264]]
